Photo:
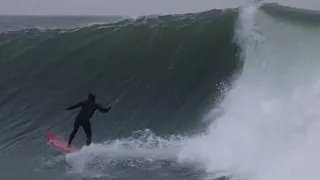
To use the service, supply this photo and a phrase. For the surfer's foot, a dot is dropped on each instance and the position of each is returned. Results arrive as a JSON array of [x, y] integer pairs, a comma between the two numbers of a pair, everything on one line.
[[69, 146]]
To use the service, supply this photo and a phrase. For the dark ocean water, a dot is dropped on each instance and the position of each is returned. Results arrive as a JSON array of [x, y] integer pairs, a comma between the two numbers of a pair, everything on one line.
[[169, 72]]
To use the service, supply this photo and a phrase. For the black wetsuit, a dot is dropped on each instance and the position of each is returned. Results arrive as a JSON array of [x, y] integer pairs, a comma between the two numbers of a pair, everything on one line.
[[88, 108]]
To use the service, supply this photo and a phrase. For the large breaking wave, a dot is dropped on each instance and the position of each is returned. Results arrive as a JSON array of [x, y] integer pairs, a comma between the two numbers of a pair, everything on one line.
[[218, 93]]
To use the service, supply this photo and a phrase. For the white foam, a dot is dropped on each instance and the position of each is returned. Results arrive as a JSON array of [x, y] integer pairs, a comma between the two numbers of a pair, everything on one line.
[[270, 126], [143, 148]]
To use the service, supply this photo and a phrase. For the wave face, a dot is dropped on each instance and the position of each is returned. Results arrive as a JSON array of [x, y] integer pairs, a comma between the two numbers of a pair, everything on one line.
[[167, 71], [222, 94]]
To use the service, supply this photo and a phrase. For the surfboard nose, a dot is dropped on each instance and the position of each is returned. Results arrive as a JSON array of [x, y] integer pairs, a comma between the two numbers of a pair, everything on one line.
[[49, 136], [60, 144]]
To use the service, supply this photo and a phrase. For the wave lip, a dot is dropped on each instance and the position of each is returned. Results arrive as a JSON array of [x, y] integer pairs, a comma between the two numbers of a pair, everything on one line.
[[18, 22]]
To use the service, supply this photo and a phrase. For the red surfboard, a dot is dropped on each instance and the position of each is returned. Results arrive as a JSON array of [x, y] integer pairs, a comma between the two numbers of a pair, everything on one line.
[[60, 144]]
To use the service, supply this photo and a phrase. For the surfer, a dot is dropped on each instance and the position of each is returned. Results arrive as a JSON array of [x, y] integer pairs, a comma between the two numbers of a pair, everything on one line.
[[88, 107]]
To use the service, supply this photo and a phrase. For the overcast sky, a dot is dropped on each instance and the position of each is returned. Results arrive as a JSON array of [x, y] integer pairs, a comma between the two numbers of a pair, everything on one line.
[[127, 7]]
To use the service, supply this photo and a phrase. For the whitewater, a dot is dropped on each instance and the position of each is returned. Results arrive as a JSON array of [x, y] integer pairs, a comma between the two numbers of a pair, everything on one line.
[[270, 126]]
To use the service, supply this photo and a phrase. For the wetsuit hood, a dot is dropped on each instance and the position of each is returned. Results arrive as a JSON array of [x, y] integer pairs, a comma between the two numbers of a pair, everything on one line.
[[91, 96]]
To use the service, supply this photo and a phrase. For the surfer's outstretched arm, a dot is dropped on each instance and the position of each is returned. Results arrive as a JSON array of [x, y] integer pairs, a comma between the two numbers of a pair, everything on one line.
[[75, 106], [102, 109]]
